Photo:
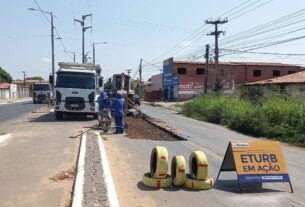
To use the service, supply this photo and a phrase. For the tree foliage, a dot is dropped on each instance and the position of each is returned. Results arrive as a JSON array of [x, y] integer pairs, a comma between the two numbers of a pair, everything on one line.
[[108, 84], [34, 78], [5, 76]]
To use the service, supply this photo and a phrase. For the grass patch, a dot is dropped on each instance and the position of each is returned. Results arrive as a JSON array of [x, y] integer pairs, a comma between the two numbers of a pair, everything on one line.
[[275, 117]]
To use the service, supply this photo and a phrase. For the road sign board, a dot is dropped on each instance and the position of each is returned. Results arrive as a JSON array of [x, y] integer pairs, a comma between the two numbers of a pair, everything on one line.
[[256, 162]]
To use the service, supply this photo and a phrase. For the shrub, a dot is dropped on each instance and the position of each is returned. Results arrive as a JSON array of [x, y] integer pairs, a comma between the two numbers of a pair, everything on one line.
[[276, 117]]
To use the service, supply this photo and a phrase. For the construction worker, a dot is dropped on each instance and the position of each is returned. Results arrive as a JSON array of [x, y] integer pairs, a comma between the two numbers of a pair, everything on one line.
[[119, 110], [103, 101], [104, 105]]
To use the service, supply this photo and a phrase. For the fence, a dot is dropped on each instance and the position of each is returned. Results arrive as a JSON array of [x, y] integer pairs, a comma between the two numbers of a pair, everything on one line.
[[8, 94]]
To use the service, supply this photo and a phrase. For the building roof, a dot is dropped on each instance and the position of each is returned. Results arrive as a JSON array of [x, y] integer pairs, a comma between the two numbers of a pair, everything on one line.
[[5, 85], [298, 77], [240, 63], [30, 81]]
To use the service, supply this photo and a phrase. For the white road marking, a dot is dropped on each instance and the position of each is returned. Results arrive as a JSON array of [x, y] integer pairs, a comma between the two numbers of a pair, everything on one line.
[[4, 137], [80, 176], [112, 196]]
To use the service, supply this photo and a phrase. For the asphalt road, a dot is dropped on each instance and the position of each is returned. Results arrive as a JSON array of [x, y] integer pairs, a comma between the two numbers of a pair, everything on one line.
[[9, 111], [134, 155]]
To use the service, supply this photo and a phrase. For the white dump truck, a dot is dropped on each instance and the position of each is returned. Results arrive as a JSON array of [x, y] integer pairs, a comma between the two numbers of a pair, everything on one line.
[[41, 92], [77, 88]]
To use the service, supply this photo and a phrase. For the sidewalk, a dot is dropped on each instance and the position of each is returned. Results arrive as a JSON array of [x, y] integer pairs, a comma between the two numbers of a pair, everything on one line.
[[14, 100]]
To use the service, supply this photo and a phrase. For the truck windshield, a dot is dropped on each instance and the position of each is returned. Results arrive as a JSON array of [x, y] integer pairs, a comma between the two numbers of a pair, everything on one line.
[[41, 87], [75, 80]]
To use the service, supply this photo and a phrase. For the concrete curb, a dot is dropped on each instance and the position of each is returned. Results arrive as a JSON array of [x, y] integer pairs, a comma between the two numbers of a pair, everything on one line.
[[4, 137], [77, 200], [112, 196]]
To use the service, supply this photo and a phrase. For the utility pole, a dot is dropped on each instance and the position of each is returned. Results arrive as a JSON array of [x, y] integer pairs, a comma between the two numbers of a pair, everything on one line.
[[24, 77], [82, 23], [216, 33], [93, 55], [129, 71], [52, 46], [93, 49], [206, 71], [71, 53], [140, 71]]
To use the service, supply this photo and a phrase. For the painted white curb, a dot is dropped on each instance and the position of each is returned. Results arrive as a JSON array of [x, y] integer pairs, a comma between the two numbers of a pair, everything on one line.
[[80, 176], [112, 196], [4, 137]]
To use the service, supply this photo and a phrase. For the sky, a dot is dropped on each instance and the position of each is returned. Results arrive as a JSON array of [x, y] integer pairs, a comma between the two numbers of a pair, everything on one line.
[[150, 29]]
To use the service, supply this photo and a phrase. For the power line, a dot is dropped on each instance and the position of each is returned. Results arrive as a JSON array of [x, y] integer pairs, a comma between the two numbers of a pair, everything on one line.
[[196, 33], [263, 53], [260, 29], [41, 10]]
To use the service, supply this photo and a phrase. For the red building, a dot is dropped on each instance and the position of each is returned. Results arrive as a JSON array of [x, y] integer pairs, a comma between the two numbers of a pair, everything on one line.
[[182, 79]]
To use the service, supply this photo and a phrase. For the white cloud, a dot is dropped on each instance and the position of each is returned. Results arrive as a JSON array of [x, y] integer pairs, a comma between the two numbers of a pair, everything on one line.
[[185, 43], [46, 60]]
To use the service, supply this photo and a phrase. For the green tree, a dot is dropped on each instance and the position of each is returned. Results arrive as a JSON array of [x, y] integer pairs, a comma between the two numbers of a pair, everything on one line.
[[5, 76], [34, 78], [108, 84]]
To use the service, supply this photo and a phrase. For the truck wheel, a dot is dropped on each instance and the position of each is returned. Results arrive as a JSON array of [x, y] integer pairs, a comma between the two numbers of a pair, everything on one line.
[[58, 115]]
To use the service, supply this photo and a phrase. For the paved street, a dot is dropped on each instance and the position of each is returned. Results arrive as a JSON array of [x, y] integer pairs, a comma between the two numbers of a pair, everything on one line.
[[134, 155], [8, 111], [35, 160]]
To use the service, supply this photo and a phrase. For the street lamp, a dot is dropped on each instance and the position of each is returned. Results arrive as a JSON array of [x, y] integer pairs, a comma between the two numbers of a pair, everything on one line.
[[71, 53], [93, 48], [52, 44]]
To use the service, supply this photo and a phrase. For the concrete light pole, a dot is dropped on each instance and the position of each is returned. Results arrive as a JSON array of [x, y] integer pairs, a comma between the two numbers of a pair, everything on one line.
[[52, 46], [93, 49], [82, 23], [71, 53]]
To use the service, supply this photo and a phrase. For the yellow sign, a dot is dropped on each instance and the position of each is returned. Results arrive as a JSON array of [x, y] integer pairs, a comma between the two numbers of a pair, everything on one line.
[[256, 162]]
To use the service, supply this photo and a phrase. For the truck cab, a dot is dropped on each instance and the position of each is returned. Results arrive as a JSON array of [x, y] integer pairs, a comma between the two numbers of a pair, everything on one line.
[[76, 90], [41, 92]]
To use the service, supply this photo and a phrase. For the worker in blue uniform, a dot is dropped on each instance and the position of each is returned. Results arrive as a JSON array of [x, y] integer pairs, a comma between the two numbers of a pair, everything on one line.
[[103, 101], [119, 112], [104, 106]]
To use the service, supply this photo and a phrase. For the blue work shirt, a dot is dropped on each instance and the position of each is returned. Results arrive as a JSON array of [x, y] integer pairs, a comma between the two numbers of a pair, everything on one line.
[[119, 106], [103, 101]]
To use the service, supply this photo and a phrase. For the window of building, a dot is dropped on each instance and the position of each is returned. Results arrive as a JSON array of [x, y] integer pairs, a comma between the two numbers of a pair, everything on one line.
[[181, 71], [291, 71], [200, 71], [256, 73], [276, 72]]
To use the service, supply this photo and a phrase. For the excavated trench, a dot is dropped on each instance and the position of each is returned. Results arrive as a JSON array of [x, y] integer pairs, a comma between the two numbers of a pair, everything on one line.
[[143, 127]]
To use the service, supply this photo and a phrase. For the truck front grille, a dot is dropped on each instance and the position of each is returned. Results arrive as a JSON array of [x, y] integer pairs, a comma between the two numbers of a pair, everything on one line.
[[75, 103], [41, 96]]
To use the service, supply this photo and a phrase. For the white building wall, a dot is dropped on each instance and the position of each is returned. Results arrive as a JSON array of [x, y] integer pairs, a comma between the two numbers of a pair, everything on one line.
[[156, 82]]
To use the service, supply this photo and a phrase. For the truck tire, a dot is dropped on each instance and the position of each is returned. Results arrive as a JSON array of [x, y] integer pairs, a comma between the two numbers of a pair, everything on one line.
[[198, 184], [198, 165], [157, 182], [59, 115], [159, 162], [178, 167]]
